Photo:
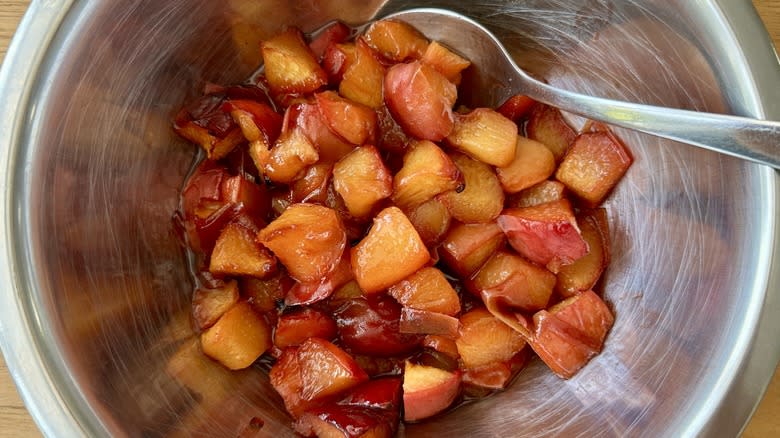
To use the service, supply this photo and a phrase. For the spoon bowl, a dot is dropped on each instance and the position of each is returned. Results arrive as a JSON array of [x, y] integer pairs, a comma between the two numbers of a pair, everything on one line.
[[497, 77]]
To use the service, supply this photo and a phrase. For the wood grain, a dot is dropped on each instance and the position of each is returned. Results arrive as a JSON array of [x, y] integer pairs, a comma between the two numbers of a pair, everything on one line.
[[15, 421]]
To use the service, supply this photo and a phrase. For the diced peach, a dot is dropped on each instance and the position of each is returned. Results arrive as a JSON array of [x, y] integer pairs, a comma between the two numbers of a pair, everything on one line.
[[308, 239], [335, 33], [427, 323], [533, 164], [420, 99], [392, 235], [369, 410], [583, 274], [312, 187], [494, 375], [485, 135], [571, 333], [326, 369], [347, 291], [546, 234], [370, 326], [593, 166], [354, 122], [396, 41], [295, 327], [237, 253], [311, 292], [516, 107], [336, 60], [290, 65], [466, 247], [340, 421], [482, 199], [547, 126], [427, 171], [288, 159], [265, 121], [362, 180], [362, 79], [392, 137], [204, 186], [285, 377], [445, 61], [311, 121], [238, 338], [442, 344], [545, 191], [431, 219], [208, 305], [427, 289], [512, 281], [215, 147], [264, 294], [428, 390], [484, 339], [238, 189]]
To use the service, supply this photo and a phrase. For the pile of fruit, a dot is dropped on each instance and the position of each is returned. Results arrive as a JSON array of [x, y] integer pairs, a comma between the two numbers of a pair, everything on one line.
[[391, 252]]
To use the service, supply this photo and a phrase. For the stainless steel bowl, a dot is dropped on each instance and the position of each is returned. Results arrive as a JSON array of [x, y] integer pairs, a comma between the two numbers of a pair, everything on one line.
[[95, 295]]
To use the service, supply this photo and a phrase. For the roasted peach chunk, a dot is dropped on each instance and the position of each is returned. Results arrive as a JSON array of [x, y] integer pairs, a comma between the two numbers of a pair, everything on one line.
[[573, 331], [288, 159], [392, 235], [309, 119], [395, 40], [326, 369], [290, 65], [516, 107], [420, 100], [484, 339], [482, 198], [354, 122], [533, 164], [208, 305], [583, 274], [442, 344], [546, 234], [295, 327], [512, 281], [337, 32], [485, 135], [264, 294], [308, 239], [285, 377], [362, 180], [336, 60], [445, 61], [431, 219], [427, 289], [545, 191], [547, 126], [427, 323], [593, 166], [362, 80], [238, 338], [427, 171], [370, 326], [466, 247], [237, 253], [312, 187], [254, 197], [428, 390]]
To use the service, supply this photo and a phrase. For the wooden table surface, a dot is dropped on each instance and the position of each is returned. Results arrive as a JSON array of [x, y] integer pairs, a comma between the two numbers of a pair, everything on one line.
[[16, 422]]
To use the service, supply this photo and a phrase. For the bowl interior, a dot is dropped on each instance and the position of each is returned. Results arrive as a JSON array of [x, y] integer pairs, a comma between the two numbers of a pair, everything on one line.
[[110, 288]]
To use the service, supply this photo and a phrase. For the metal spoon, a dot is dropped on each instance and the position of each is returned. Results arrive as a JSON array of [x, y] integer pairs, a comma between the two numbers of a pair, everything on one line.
[[499, 77]]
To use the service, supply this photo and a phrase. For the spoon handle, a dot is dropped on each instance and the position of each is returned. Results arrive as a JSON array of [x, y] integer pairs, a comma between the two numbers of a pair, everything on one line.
[[751, 139]]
